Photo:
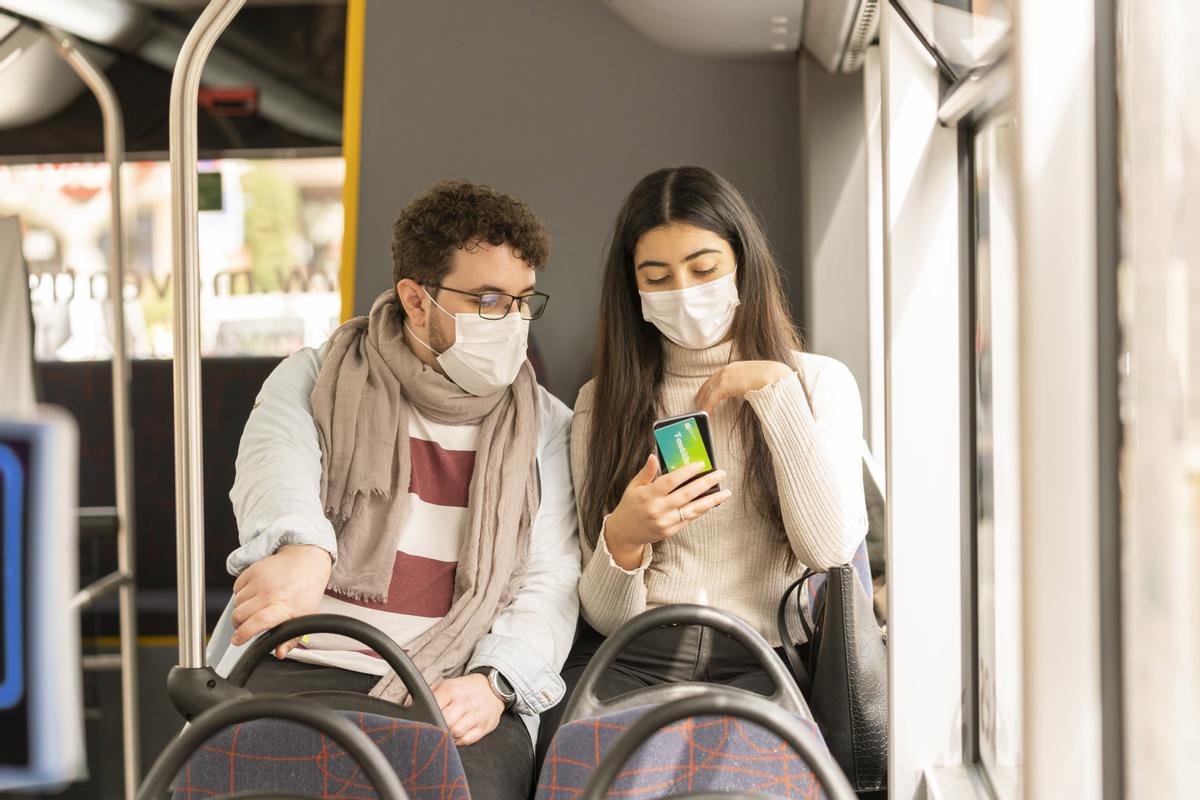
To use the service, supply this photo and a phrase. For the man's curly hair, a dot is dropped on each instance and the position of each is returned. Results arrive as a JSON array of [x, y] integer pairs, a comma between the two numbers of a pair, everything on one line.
[[452, 215]]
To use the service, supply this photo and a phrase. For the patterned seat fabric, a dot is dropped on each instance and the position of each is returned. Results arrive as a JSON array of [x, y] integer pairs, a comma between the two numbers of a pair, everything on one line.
[[279, 756], [697, 754]]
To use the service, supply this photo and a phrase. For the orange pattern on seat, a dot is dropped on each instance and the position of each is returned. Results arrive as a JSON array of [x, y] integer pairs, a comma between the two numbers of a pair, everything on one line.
[[287, 757]]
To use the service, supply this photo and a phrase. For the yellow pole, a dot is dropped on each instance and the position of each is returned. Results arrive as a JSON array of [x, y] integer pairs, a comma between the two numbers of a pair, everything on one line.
[[356, 17]]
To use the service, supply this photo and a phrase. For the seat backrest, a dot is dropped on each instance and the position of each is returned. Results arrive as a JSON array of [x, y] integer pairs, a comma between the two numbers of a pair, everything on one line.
[[874, 493], [697, 754], [814, 587], [278, 756]]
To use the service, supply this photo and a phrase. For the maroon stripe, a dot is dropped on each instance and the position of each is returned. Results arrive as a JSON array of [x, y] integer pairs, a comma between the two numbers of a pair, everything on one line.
[[440, 477], [420, 587]]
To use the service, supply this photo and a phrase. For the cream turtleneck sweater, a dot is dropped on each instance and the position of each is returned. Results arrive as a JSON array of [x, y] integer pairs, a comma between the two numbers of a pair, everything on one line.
[[733, 557]]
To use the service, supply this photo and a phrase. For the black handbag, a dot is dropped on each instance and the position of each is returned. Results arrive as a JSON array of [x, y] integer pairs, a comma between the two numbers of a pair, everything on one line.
[[842, 671]]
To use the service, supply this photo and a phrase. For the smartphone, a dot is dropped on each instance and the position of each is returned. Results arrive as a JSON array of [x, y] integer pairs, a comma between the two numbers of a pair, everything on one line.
[[684, 439]]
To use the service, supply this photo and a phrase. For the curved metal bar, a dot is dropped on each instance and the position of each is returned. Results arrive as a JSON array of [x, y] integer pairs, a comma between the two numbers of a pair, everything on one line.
[[583, 702], [185, 271], [346, 734], [423, 701], [118, 255], [721, 702]]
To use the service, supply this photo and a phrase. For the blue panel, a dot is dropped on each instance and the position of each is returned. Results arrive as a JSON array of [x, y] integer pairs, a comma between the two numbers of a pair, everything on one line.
[[12, 680]]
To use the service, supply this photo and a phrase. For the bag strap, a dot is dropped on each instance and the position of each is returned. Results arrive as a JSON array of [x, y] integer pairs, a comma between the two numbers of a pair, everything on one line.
[[785, 635], [816, 612]]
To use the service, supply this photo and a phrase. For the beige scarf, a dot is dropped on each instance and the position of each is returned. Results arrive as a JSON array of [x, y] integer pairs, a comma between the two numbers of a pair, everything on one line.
[[368, 382]]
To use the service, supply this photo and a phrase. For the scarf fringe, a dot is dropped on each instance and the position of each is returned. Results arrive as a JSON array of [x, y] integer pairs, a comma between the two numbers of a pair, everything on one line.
[[340, 516], [356, 594]]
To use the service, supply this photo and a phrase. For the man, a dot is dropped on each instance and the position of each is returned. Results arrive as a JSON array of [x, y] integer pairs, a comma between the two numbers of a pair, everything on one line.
[[411, 473]]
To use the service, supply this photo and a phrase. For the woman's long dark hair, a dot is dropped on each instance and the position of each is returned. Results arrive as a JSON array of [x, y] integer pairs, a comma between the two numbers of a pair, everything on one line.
[[628, 360]]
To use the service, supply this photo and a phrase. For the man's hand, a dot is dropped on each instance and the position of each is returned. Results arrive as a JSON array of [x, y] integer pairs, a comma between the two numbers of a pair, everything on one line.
[[288, 584], [472, 710]]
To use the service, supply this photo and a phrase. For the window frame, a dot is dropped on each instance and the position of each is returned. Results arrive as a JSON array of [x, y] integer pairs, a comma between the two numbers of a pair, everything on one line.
[[967, 104], [1080, 629]]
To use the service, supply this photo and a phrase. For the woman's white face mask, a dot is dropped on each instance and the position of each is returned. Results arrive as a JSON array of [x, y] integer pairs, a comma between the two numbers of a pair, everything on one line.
[[486, 355], [696, 317]]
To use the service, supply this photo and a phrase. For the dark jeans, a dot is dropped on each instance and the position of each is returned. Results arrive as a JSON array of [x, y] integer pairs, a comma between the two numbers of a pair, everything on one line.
[[498, 767], [666, 655]]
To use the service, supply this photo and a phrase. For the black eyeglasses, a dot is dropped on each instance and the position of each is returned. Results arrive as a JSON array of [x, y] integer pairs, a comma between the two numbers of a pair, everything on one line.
[[495, 305]]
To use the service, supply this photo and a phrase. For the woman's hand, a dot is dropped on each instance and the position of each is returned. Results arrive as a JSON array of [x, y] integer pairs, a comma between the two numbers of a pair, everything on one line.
[[738, 378], [653, 509]]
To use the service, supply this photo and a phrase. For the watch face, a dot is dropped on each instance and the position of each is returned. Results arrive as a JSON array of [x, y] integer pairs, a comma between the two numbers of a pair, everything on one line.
[[503, 685]]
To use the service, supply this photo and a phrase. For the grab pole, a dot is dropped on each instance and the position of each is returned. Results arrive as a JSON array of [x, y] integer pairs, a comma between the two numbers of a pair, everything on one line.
[[185, 276], [118, 253]]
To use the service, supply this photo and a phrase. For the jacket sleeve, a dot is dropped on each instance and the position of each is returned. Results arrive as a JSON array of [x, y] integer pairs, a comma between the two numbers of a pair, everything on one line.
[[529, 639], [276, 491]]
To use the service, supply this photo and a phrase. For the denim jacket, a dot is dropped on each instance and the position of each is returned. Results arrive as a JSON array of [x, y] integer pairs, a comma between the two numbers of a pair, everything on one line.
[[276, 500]]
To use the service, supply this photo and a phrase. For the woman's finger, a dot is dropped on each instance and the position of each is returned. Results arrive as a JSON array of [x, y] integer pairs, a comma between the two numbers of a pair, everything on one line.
[[686, 494], [716, 396], [673, 480], [698, 508], [703, 396], [646, 474]]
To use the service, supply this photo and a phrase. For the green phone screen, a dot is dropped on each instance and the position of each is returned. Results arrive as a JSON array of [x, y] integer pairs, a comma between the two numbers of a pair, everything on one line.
[[681, 444]]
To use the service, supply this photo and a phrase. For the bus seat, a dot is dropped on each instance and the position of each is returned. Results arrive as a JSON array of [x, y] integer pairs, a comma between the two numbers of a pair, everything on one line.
[[873, 493], [706, 753], [711, 754], [277, 756]]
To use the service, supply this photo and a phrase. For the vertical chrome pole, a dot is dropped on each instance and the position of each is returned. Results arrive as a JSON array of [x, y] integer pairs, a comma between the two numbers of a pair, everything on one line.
[[185, 272], [114, 151]]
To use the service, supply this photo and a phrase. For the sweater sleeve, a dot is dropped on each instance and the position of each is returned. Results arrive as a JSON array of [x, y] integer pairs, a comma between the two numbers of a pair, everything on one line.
[[817, 454], [609, 595]]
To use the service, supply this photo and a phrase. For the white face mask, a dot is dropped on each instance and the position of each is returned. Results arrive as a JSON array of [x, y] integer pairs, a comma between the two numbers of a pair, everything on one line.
[[486, 355], [696, 317]]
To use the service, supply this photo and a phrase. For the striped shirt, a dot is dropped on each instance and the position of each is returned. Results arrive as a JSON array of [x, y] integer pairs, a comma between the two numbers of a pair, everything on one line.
[[422, 586]]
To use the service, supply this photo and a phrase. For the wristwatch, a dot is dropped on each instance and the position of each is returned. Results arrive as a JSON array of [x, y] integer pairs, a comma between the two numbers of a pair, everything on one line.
[[500, 685]]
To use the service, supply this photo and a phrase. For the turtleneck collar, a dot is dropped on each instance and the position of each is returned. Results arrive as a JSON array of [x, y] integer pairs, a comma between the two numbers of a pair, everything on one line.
[[684, 363]]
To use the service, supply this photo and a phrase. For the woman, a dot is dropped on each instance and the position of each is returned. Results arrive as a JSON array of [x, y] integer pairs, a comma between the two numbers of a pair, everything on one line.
[[693, 316]]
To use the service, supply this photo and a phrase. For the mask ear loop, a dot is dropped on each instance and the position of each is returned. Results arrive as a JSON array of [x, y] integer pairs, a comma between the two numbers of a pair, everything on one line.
[[422, 342], [419, 340], [436, 303]]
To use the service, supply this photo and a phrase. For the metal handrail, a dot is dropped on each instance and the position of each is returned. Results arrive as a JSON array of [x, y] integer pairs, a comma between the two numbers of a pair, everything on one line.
[[98, 589], [114, 152], [185, 271]]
